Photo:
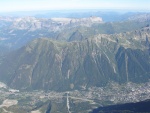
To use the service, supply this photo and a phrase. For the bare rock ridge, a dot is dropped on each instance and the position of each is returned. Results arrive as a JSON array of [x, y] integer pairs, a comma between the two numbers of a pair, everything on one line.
[[17, 32], [82, 21], [37, 23]]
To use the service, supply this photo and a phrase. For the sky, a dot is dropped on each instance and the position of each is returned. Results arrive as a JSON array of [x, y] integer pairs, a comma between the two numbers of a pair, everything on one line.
[[31, 5]]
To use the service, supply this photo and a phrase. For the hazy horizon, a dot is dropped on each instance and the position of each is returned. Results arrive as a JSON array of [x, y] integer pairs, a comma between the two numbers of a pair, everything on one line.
[[35, 5]]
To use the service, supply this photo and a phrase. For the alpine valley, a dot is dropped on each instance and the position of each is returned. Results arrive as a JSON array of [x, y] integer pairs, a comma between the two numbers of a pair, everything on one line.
[[74, 65]]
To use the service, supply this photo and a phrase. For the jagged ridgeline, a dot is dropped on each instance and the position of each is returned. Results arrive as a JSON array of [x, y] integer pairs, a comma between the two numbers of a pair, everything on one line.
[[55, 65], [17, 32]]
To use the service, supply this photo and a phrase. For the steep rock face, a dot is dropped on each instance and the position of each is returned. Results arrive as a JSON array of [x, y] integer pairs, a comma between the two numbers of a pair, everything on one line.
[[76, 36], [54, 65], [133, 65]]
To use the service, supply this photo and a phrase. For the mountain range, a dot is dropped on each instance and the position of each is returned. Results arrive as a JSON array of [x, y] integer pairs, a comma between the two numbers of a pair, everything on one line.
[[53, 65], [16, 32], [73, 64]]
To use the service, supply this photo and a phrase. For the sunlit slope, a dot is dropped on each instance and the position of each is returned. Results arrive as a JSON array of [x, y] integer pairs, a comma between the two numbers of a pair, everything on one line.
[[47, 64]]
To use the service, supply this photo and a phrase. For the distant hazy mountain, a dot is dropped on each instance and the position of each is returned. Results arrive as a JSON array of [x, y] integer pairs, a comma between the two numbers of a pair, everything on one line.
[[17, 32], [140, 17]]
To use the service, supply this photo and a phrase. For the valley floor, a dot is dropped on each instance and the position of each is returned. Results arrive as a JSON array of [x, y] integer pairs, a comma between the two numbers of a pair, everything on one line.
[[71, 101]]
